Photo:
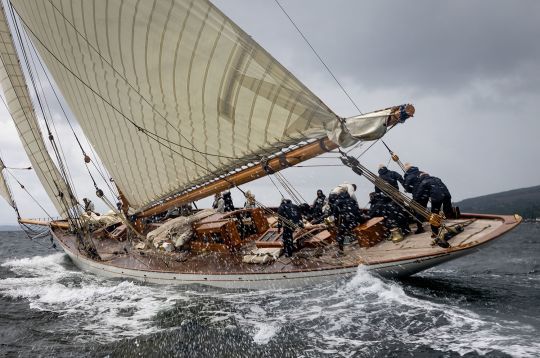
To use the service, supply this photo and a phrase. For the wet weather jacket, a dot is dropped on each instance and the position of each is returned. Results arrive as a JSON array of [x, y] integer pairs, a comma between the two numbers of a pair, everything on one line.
[[391, 177], [411, 179]]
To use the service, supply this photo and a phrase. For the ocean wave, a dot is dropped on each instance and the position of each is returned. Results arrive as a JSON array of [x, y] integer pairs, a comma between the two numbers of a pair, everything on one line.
[[365, 314]]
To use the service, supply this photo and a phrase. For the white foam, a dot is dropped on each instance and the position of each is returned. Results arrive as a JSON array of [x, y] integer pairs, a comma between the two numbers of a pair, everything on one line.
[[347, 318], [356, 315], [265, 333], [98, 307]]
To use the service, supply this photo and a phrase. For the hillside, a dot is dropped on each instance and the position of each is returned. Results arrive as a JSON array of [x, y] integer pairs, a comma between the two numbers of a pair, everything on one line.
[[525, 202]]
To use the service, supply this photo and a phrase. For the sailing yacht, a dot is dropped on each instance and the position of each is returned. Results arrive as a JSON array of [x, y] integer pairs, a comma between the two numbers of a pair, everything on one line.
[[179, 104]]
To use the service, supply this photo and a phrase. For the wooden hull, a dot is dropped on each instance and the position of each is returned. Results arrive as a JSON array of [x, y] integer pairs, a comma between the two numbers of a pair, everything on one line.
[[402, 264]]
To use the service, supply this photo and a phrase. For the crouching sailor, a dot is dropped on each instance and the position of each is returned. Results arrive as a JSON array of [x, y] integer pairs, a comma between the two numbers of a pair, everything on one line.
[[288, 218], [433, 188]]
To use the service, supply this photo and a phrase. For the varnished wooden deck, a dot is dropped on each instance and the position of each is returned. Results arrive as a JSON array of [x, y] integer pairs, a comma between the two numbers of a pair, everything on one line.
[[482, 230]]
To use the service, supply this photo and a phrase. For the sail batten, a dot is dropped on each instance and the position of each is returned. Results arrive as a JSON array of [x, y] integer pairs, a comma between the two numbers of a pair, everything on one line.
[[171, 94]]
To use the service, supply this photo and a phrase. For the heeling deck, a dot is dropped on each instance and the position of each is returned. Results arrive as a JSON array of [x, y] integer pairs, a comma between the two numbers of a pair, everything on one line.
[[477, 233]]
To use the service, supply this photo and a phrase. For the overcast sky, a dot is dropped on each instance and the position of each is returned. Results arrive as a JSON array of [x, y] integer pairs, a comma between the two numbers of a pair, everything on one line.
[[471, 68]]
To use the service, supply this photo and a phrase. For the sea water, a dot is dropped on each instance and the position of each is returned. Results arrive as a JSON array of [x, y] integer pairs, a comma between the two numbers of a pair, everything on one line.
[[483, 304]]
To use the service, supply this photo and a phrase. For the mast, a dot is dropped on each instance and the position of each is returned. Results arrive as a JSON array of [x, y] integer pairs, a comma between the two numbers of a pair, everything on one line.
[[280, 162]]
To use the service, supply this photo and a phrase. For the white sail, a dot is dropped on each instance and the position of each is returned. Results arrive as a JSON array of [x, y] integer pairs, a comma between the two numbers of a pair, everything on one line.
[[20, 107], [4, 189], [184, 74]]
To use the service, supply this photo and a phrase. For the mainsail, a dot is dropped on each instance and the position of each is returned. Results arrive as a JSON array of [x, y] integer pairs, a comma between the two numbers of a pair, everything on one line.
[[20, 107], [170, 93]]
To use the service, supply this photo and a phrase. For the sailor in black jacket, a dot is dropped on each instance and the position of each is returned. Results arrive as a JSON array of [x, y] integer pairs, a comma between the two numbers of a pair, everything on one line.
[[394, 215], [347, 215], [432, 188], [288, 218], [389, 176], [317, 207], [411, 178], [228, 203]]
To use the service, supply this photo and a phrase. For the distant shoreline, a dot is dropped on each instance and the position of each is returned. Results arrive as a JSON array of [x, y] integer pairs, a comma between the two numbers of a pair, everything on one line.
[[10, 228]]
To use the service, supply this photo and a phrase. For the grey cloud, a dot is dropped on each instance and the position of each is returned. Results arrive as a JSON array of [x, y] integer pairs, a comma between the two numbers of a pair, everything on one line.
[[438, 46]]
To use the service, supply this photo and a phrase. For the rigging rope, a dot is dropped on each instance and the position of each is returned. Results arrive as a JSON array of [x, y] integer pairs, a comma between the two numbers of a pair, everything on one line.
[[318, 56], [394, 157], [85, 155], [71, 209], [30, 195], [51, 118]]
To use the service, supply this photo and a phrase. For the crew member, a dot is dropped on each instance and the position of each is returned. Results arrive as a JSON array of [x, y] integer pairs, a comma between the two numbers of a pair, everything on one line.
[[88, 206], [389, 176], [227, 201], [186, 209], [348, 187], [394, 215], [288, 219], [317, 207], [215, 204], [377, 205], [250, 200], [432, 188], [173, 212], [347, 216], [411, 180]]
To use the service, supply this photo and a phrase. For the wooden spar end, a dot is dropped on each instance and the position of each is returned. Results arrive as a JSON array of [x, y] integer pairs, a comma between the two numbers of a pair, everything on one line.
[[34, 222], [395, 117], [61, 224]]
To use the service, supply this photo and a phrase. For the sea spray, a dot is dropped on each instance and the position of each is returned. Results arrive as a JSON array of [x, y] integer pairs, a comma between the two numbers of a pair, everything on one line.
[[363, 315]]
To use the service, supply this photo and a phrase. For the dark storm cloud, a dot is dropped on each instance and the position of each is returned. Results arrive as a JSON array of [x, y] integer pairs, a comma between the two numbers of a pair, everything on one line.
[[433, 45]]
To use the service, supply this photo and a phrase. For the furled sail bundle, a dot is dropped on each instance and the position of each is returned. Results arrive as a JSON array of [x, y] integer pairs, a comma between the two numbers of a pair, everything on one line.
[[4, 189], [170, 93], [20, 107]]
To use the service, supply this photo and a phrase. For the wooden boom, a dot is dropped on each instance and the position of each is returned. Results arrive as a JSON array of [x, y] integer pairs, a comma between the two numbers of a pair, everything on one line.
[[276, 164], [273, 165], [62, 224]]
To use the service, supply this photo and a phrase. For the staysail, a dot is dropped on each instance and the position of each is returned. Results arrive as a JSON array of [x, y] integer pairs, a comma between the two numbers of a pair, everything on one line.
[[20, 107], [4, 189], [170, 93]]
